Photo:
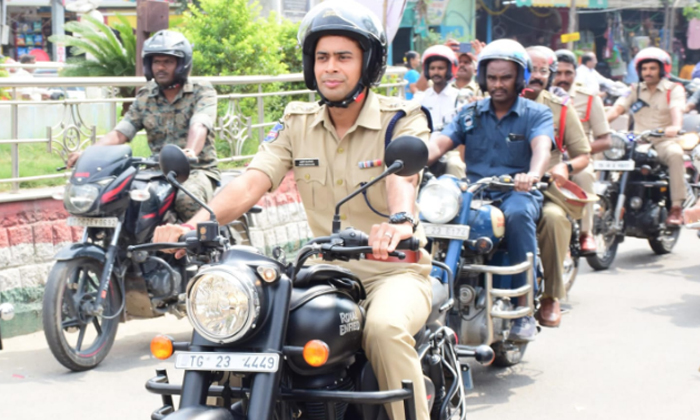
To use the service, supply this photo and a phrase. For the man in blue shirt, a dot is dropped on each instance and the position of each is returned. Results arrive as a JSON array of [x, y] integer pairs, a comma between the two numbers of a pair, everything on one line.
[[506, 135], [631, 76]]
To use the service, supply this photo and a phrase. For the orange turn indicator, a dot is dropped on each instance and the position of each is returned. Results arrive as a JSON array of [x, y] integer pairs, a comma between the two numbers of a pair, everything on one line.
[[316, 353], [162, 347]]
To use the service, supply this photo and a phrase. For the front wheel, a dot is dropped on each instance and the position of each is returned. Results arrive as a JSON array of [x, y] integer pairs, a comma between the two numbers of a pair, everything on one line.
[[605, 238], [664, 243], [508, 353], [78, 341]]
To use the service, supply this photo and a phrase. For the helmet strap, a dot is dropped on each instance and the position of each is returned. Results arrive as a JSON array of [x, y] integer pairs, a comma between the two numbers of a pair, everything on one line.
[[357, 95]]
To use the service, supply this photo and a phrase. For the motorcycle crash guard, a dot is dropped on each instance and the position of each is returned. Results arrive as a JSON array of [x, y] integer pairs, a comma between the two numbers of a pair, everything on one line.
[[74, 251], [201, 413]]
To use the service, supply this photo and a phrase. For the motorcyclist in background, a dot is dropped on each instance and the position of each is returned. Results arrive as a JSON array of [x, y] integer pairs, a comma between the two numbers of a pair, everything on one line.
[[659, 103]]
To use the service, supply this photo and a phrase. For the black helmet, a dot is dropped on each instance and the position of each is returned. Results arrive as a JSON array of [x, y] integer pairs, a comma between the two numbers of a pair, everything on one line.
[[345, 18], [508, 50], [168, 43], [566, 56]]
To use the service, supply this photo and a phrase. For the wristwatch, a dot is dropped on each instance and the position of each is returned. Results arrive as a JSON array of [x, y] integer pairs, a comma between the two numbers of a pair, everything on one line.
[[403, 217], [570, 168]]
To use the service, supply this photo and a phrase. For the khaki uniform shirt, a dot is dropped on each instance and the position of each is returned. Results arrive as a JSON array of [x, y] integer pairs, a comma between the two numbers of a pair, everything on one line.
[[169, 123], [327, 168], [575, 140], [658, 113], [593, 119]]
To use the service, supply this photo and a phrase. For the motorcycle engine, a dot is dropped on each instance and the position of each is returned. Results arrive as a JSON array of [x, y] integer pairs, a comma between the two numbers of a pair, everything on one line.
[[161, 279]]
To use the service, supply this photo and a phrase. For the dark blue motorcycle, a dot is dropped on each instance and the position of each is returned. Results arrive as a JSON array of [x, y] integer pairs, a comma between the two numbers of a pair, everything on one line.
[[465, 232]]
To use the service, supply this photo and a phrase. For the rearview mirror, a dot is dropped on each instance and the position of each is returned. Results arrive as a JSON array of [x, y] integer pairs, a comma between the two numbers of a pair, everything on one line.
[[410, 150], [173, 159]]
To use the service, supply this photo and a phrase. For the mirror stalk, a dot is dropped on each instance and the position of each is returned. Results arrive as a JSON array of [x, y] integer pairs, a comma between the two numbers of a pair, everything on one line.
[[394, 168], [171, 177]]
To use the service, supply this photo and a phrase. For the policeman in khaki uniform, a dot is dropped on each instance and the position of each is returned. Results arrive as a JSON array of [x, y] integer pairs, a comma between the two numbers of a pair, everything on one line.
[[173, 110], [333, 149], [659, 103], [592, 115], [554, 229]]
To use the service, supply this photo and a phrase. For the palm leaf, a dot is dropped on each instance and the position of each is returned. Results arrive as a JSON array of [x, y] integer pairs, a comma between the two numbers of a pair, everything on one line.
[[111, 41]]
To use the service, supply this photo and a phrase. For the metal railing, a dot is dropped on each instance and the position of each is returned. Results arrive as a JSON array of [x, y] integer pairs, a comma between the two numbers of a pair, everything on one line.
[[73, 132]]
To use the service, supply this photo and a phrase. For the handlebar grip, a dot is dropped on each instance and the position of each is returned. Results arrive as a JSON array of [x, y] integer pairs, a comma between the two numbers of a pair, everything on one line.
[[411, 244], [187, 235], [192, 159], [61, 168]]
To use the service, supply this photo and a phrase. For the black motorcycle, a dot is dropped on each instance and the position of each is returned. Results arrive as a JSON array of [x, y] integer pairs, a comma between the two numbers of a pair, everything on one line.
[[634, 200], [283, 341], [119, 200]]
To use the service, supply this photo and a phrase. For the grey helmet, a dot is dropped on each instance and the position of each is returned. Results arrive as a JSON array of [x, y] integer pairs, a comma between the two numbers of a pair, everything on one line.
[[172, 43], [509, 50], [566, 56], [552, 61], [353, 20]]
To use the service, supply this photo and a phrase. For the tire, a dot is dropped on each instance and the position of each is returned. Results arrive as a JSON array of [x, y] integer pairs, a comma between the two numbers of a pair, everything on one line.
[[664, 243], [606, 242], [80, 279], [508, 353]]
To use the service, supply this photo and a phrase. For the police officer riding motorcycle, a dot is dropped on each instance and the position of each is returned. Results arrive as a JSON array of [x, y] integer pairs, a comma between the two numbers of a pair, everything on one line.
[[119, 200]]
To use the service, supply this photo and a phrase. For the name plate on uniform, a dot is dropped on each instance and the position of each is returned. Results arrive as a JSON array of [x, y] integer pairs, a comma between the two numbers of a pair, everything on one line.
[[613, 165], [305, 163]]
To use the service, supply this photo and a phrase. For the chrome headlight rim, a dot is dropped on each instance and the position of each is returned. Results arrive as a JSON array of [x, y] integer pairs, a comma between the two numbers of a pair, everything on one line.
[[247, 286], [618, 149], [446, 184], [90, 191]]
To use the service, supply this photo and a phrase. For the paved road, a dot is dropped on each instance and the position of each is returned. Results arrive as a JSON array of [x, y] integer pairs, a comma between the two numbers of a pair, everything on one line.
[[629, 348]]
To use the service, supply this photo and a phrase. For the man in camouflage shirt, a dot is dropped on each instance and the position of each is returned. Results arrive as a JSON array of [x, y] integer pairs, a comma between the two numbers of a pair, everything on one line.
[[173, 110]]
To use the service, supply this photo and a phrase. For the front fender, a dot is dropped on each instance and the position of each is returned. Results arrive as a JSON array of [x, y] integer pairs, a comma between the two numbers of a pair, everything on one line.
[[201, 413], [601, 187], [73, 251]]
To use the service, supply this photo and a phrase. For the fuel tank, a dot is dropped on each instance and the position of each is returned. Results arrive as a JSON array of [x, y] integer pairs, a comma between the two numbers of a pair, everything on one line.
[[143, 217], [322, 312]]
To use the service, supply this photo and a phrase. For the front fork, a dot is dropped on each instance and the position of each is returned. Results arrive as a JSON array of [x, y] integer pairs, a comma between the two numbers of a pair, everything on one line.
[[620, 206], [112, 249]]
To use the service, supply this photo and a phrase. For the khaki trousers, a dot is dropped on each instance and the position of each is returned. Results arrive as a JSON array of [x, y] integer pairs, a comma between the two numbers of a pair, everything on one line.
[[455, 164], [585, 179], [553, 237], [671, 155], [398, 304]]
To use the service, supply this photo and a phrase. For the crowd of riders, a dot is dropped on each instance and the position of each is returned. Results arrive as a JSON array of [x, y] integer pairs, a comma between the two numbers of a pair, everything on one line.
[[498, 109]]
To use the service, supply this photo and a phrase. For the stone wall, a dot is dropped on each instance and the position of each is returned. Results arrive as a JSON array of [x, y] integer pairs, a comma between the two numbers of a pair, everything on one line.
[[31, 232]]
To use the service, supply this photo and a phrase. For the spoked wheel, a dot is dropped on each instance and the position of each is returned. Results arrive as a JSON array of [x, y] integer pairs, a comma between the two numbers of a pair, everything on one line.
[[664, 243], [605, 239], [78, 340], [508, 353], [570, 271]]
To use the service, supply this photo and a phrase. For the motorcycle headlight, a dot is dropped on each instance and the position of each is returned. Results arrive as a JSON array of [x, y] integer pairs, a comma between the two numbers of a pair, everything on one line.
[[618, 148], [440, 200], [695, 155], [79, 198], [222, 304]]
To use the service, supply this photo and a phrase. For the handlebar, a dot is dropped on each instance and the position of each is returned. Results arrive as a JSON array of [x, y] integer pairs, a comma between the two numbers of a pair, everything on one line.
[[502, 183]]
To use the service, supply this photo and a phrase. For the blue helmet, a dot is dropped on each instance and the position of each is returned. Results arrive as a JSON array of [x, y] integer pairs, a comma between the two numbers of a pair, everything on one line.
[[509, 50]]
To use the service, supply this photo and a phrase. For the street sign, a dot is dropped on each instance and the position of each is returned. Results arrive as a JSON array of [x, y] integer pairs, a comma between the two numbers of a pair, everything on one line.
[[572, 37]]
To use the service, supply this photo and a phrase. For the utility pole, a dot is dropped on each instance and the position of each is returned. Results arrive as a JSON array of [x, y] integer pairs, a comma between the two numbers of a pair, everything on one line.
[[572, 23], [58, 19]]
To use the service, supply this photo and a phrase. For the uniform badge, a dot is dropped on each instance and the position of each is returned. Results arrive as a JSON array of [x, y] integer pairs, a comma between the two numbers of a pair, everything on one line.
[[305, 163], [469, 119], [369, 163], [274, 133]]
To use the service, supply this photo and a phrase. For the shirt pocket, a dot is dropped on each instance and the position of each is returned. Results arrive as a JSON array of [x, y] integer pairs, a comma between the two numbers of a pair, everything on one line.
[[375, 195], [518, 149], [312, 185]]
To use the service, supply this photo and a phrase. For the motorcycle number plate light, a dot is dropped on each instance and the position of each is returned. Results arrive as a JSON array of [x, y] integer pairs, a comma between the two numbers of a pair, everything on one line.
[[230, 362], [103, 222], [613, 165], [459, 232]]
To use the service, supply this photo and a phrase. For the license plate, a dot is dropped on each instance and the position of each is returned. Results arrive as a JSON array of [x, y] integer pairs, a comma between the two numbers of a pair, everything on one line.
[[613, 165], [234, 362], [459, 232], [106, 222]]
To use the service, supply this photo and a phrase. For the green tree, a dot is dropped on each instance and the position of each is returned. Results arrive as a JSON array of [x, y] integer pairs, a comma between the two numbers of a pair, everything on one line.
[[4, 94], [110, 57]]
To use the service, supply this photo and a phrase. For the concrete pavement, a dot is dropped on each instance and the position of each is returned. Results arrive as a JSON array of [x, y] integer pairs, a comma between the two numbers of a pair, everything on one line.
[[629, 348]]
